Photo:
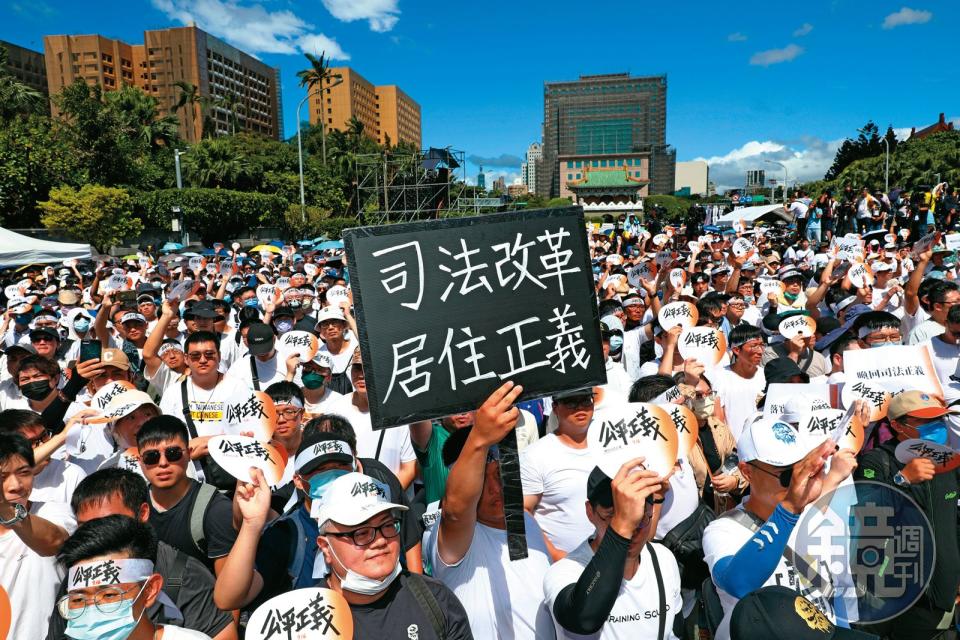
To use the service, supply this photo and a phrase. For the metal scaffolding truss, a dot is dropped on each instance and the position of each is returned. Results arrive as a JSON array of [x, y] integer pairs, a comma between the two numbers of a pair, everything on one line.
[[400, 185]]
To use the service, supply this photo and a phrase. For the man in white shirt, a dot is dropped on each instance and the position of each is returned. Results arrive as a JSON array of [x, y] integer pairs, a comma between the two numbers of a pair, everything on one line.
[[631, 587], [554, 473], [392, 446], [31, 534], [468, 544], [262, 353], [745, 547], [53, 479], [739, 384], [945, 348]]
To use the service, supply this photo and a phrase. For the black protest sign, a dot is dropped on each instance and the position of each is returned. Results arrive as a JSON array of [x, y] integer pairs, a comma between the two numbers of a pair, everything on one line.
[[450, 309]]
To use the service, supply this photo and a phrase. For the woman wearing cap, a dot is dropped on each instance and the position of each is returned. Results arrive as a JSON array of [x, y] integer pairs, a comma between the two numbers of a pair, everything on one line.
[[332, 325], [316, 375]]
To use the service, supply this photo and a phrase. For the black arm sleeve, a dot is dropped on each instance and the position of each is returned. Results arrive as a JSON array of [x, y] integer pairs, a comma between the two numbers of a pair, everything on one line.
[[583, 607], [52, 416]]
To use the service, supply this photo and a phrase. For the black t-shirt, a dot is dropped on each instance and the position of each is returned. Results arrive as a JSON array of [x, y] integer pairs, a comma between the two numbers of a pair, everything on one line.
[[195, 598], [173, 526], [398, 616]]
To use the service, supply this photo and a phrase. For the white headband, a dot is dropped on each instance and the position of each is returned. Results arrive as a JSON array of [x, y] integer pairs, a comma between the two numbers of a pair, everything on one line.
[[323, 448], [103, 573]]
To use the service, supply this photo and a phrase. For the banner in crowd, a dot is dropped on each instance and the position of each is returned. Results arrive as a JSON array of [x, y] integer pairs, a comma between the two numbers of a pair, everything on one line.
[[895, 368], [448, 310]]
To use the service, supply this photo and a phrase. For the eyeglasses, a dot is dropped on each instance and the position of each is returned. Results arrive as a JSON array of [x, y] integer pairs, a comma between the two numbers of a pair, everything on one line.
[[364, 536], [198, 356], [151, 457], [40, 439], [289, 413], [893, 337], [108, 600], [580, 402]]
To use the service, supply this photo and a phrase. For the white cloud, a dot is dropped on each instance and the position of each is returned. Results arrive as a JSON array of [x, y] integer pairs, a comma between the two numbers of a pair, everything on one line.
[[906, 15], [736, 37], [381, 14], [803, 30], [776, 56], [805, 162], [251, 27]]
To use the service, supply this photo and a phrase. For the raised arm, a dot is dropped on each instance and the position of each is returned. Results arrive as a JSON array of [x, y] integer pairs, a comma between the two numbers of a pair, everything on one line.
[[238, 582], [911, 298], [495, 418], [151, 360]]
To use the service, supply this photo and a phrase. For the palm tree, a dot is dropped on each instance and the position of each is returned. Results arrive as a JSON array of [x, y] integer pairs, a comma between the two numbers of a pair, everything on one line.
[[15, 97], [318, 72], [141, 117], [215, 163], [355, 133], [230, 101], [190, 96]]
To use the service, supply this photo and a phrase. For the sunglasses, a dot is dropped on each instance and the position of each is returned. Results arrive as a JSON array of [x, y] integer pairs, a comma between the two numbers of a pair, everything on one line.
[[197, 356], [578, 402], [785, 476], [151, 457]]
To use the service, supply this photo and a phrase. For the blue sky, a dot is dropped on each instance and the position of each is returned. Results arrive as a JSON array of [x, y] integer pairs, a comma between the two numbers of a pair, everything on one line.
[[746, 80]]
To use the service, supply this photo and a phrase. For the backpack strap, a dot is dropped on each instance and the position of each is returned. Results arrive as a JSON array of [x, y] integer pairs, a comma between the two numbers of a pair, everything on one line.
[[171, 586], [428, 604], [191, 427], [662, 617], [197, 514]]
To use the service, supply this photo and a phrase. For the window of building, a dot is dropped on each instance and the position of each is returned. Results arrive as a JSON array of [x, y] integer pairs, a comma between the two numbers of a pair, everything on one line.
[[579, 163], [595, 164], [578, 176], [569, 164], [603, 163], [569, 176]]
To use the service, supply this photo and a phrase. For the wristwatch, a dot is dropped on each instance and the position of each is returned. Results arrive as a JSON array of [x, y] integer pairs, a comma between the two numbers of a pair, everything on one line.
[[900, 480], [19, 513]]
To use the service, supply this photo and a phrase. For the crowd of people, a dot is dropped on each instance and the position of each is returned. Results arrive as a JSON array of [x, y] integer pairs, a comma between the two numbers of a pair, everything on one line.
[[117, 522]]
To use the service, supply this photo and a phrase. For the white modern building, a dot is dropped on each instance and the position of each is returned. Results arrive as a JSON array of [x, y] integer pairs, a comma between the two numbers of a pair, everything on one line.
[[528, 169]]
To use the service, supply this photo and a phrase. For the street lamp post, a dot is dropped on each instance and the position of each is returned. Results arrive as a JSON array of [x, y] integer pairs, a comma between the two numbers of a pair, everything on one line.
[[176, 210], [323, 140], [785, 179]]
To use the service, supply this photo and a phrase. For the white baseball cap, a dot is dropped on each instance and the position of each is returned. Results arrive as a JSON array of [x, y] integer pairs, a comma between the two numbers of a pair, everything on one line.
[[354, 498], [772, 441], [126, 403], [330, 313]]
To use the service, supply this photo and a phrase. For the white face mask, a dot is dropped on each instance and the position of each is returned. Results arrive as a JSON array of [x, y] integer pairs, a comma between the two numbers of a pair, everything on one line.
[[363, 585]]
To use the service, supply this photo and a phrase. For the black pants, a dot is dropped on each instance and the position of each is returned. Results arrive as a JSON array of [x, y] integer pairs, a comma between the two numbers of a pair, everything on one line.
[[919, 622]]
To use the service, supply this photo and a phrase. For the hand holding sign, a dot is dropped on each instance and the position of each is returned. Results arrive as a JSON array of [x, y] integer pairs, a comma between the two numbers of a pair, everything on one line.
[[942, 457], [860, 276], [742, 247], [875, 395], [251, 411], [302, 343], [797, 326]]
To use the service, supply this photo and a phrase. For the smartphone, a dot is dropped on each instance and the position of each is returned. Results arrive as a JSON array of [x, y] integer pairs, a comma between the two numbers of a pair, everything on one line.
[[127, 297], [89, 350]]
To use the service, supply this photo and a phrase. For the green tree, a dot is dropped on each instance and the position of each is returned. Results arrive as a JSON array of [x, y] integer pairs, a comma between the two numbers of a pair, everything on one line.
[[676, 208], [230, 101], [868, 144], [317, 73], [101, 216], [139, 115], [189, 96]]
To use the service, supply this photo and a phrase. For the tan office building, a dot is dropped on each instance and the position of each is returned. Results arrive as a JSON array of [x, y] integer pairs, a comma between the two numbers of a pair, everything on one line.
[[27, 66], [167, 56], [385, 111]]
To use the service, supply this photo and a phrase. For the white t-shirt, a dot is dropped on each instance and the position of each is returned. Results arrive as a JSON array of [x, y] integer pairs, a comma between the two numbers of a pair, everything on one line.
[[30, 580], [636, 612], [631, 350], [737, 395], [273, 370], [329, 399], [503, 598], [164, 378], [207, 408], [945, 357], [396, 448], [171, 632], [341, 361], [10, 396], [909, 322], [724, 537], [618, 384], [558, 474], [924, 331], [57, 482], [681, 500]]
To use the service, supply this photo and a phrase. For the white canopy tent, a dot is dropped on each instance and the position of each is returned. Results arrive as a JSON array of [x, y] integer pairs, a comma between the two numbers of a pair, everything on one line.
[[17, 249], [752, 214]]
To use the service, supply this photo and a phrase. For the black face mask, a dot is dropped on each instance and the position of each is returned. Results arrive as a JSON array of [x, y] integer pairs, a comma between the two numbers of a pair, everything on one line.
[[36, 390]]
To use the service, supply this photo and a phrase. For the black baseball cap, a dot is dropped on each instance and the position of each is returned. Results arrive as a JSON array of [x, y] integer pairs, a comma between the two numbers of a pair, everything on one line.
[[44, 331], [599, 489], [318, 448], [260, 338], [699, 277], [201, 309], [782, 613]]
